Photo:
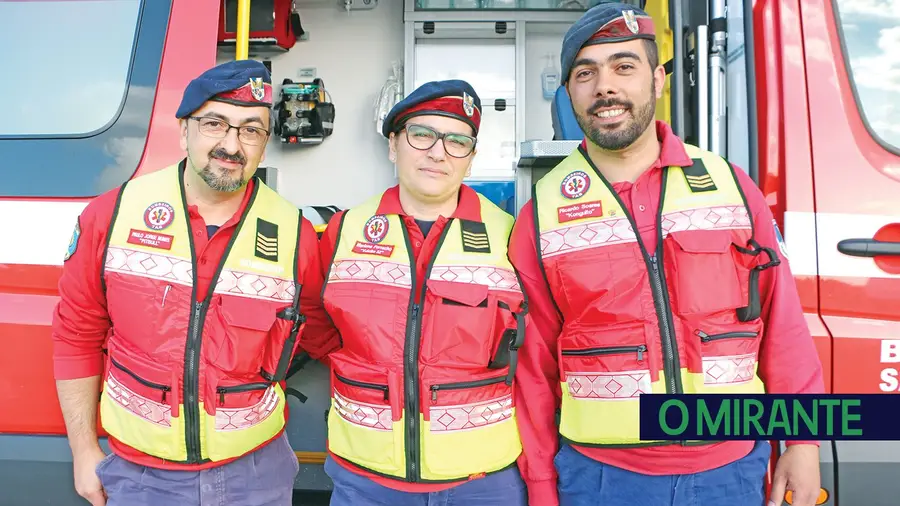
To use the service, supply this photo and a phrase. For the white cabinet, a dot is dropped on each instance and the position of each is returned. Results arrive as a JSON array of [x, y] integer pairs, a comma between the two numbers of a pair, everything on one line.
[[502, 58]]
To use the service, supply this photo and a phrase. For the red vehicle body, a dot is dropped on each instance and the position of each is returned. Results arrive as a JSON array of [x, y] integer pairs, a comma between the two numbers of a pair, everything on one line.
[[827, 175]]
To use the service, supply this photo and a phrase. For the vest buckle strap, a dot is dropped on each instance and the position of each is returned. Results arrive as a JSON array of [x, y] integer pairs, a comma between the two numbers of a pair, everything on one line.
[[755, 249], [293, 315], [753, 309], [507, 350]]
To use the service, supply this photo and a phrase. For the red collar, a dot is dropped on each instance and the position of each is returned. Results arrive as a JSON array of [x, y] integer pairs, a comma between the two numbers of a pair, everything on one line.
[[468, 208]]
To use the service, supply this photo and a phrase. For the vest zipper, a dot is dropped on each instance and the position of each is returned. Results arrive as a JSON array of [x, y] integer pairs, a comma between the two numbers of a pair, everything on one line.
[[239, 388], [411, 371], [363, 384], [191, 380], [412, 394], [142, 381], [662, 312], [191, 385], [609, 350], [725, 335], [411, 366], [465, 384]]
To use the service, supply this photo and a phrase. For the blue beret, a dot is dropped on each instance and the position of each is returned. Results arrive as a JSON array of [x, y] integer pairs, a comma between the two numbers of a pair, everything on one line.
[[239, 82], [453, 98], [604, 23]]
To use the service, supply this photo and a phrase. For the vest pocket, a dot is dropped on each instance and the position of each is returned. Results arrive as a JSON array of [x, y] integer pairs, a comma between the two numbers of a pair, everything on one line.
[[245, 326], [470, 427], [603, 283], [364, 422], [241, 416], [139, 407], [460, 324], [728, 354], [704, 274], [601, 385], [139, 306]]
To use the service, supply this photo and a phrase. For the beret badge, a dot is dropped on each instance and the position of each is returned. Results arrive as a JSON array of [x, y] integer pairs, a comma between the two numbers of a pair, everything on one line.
[[468, 104], [630, 21], [257, 89]]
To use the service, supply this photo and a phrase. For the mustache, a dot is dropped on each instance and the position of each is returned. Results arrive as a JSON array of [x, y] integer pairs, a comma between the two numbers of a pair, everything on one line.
[[223, 155], [610, 102]]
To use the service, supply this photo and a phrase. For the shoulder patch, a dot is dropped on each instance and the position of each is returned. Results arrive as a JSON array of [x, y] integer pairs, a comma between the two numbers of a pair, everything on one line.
[[697, 177], [73, 241], [474, 237], [781, 244]]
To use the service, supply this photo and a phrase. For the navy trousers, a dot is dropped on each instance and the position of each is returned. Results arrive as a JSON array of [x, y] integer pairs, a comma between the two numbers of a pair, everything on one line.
[[586, 482], [262, 478], [503, 488]]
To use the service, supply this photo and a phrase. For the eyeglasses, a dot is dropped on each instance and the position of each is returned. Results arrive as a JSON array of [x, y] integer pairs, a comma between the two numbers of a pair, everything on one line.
[[423, 138], [218, 129]]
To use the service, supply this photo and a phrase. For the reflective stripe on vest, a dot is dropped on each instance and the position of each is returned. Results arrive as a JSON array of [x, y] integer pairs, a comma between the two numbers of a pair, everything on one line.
[[635, 322], [449, 361], [228, 350]]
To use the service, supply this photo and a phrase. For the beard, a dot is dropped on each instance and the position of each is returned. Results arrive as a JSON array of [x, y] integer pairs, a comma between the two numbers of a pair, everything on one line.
[[223, 182], [624, 133]]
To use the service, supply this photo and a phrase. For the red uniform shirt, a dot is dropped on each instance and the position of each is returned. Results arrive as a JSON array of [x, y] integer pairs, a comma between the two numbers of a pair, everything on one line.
[[422, 250], [81, 321], [788, 360]]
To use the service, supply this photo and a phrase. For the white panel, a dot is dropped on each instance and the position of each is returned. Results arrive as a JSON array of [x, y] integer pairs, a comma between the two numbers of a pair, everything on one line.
[[812, 239], [42, 238], [330, 173], [541, 40], [496, 155], [488, 65], [736, 88]]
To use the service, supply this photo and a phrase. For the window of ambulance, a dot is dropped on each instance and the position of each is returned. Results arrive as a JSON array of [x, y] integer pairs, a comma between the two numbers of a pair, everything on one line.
[[870, 34], [79, 79]]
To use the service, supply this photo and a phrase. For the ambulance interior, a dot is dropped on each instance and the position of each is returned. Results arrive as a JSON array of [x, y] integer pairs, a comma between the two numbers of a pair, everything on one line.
[[509, 51]]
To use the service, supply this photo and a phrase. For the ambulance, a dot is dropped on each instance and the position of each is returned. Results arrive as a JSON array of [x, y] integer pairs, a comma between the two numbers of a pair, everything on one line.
[[802, 94]]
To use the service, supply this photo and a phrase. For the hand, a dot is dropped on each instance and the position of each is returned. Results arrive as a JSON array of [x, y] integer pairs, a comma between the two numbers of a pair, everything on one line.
[[797, 470], [87, 483]]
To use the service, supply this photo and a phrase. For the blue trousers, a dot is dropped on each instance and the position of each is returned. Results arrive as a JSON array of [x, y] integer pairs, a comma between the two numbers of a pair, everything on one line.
[[586, 482], [262, 478], [503, 488]]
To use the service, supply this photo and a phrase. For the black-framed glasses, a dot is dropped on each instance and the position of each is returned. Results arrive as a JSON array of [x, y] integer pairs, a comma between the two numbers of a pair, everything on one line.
[[218, 129], [423, 138]]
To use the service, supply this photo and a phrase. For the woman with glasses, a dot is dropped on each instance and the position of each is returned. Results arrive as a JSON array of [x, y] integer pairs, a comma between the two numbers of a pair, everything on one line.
[[432, 316]]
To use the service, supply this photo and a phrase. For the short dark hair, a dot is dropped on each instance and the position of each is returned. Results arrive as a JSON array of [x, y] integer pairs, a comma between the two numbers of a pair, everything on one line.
[[652, 53]]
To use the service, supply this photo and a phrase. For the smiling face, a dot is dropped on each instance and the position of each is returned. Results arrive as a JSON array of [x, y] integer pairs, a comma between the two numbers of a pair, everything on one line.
[[432, 174], [613, 89], [225, 158]]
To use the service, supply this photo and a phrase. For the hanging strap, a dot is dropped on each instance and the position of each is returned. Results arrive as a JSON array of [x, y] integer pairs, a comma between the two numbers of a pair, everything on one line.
[[510, 342], [753, 309]]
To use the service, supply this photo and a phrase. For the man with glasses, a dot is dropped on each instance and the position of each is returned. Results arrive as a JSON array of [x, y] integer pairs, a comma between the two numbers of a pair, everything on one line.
[[186, 292], [431, 315]]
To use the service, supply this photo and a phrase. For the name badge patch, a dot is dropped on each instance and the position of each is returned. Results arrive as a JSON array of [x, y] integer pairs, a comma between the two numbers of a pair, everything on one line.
[[592, 209], [150, 239], [367, 248]]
